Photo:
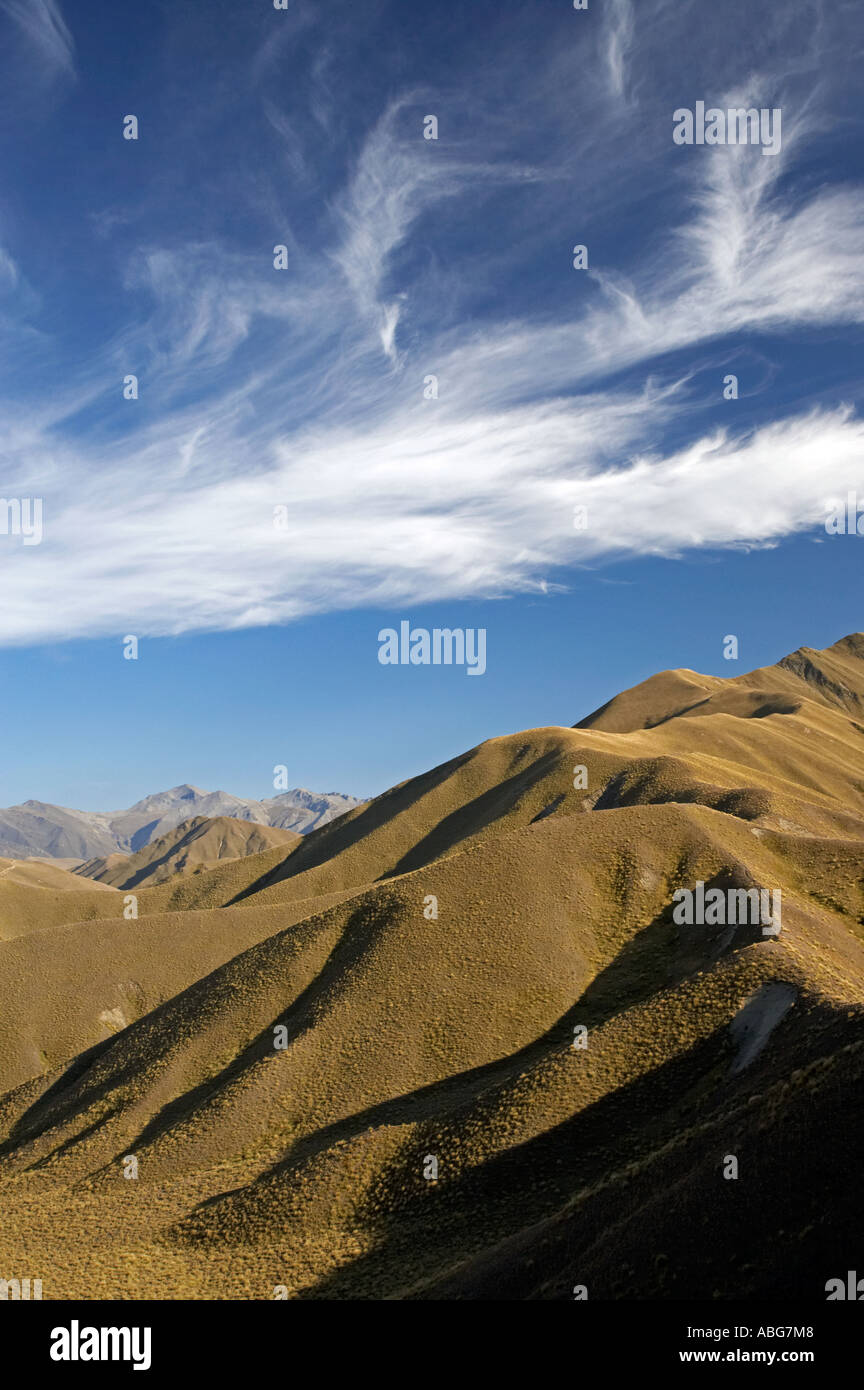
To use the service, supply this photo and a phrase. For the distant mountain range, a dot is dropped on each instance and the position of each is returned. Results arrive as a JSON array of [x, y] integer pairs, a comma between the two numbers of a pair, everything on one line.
[[57, 832]]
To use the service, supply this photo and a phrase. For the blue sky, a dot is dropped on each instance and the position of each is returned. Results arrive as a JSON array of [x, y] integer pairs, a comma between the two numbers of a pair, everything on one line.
[[303, 388]]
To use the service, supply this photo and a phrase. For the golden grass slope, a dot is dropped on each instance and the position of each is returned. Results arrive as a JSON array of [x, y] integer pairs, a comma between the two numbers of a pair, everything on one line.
[[67, 988], [423, 963], [314, 1155], [34, 893], [831, 677], [219, 886]]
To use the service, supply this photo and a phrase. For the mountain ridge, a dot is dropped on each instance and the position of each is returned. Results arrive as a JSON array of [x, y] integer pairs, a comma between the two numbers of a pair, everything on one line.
[[43, 830]]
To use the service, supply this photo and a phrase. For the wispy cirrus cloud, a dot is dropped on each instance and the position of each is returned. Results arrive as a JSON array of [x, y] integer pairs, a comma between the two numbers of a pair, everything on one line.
[[402, 514], [395, 182], [47, 34], [618, 43], [303, 389]]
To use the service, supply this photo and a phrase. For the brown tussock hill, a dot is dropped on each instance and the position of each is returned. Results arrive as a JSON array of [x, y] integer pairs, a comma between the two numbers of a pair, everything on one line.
[[832, 677], [35, 893], [80, 983], [194, 845]]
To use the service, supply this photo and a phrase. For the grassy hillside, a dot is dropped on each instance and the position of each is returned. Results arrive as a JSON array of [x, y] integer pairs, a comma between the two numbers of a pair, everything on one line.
[[425, 964]]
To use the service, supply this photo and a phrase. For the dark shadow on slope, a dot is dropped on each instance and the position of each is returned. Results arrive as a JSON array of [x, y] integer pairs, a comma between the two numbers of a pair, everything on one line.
[[147, 870], [761, 704], [474, 816], [645, 966], [658, 955], [41, 1116], [175, 850], [663, 953], [73, 1141], [660, 781], [141, 837], [45, 1113], [791, 1221], [359, 936], [436, 1101], [628, 1196], [832, 692], [73, 1100], [346, 830]]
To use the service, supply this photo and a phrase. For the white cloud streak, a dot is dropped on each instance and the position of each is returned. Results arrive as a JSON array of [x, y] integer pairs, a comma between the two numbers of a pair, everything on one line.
[[619, 41], [47, 33], [304, 389]]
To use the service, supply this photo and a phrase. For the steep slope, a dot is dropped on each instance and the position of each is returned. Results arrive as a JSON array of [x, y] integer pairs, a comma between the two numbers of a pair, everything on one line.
[[652, 701], [194, 845], [66, 988], [787, 768], [220, 886], [832, 677]]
